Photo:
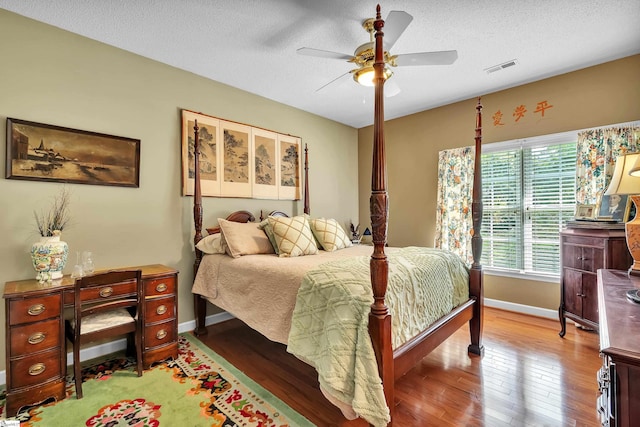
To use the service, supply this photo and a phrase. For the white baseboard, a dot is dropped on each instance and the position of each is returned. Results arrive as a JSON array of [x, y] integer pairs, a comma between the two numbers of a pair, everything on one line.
[[121, 344], [114, 346], [521, 308]]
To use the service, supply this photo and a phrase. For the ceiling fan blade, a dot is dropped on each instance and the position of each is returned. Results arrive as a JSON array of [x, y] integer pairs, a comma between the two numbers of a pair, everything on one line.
[[391, 88], [323, 53], [333, 81], [394, 26], [443, 57]]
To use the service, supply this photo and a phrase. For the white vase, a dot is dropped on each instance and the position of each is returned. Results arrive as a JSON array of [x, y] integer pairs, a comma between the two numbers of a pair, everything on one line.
[[49, 257]]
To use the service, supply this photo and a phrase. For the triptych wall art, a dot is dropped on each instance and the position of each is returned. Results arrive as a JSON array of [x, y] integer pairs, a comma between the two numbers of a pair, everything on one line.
[[238, 160]]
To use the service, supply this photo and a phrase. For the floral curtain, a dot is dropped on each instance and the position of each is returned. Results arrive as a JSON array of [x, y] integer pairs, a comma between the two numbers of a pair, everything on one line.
[[455, 192], [597, 150]]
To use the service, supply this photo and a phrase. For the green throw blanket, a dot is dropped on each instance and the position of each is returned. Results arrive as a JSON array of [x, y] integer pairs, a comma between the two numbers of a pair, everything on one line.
[[329, 328]]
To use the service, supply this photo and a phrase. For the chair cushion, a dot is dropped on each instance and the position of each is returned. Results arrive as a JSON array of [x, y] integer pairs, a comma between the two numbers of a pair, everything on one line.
[[105, 320]]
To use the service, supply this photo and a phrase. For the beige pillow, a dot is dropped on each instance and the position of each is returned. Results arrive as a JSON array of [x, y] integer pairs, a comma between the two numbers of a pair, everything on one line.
[[211, 244], [293, 236], [330, 234], [244, 238]]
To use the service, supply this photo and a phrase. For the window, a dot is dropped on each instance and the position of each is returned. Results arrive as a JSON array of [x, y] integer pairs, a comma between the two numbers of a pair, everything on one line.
[[528, 194]]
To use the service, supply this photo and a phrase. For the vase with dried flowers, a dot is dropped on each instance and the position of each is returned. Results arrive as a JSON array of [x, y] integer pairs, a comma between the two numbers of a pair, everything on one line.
[[49, 255]]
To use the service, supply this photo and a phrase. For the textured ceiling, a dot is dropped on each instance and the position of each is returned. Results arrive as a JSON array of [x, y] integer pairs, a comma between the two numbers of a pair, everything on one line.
[[251, 44]]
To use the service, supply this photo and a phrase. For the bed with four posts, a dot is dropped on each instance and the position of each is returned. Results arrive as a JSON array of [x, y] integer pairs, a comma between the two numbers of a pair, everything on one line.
[[393, 359]]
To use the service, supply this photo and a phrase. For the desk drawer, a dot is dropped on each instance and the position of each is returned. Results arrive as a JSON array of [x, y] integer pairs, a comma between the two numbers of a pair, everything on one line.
[[35, 337], [34, 309], [105, 292], [35, 369], [162, 286], [159, 309], [160, 334]]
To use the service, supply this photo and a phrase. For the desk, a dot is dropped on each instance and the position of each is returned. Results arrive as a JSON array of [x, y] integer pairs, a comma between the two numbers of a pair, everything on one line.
[[36, 351], [619, 377]]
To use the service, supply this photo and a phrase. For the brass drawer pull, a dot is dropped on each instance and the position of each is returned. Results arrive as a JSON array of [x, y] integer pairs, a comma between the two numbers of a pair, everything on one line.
[[161, 334], [36, 309], [36, 338], [162, 309], [36, 369], [106, 292], [161, 287]]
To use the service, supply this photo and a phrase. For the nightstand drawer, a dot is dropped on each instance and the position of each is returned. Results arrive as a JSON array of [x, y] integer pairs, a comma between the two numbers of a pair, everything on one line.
[[35, 337], [160, 334], [159, 309], [161, 286], [34, 309], [35, 369]]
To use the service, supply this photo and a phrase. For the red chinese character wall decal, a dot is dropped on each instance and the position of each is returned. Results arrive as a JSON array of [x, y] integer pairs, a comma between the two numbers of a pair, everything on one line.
[[497, 118], [518, 113], [543, 105]]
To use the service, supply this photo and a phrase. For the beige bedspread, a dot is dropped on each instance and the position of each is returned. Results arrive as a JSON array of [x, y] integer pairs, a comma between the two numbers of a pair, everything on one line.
[[261, 289]]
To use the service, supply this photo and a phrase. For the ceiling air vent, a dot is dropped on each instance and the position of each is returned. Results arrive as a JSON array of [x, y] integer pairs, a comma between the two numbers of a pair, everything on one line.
[[501, 66]]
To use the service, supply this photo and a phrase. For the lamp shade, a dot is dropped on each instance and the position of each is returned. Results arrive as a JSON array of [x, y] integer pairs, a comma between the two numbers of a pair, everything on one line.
[[635, 169], [624, 180], [365, 75]]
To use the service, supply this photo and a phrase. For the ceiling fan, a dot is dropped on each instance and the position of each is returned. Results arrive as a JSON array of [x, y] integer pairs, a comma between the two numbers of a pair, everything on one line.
[[395, 24]]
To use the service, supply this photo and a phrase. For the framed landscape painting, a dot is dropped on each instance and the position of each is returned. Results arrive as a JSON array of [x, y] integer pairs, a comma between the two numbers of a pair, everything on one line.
[[265, 160], [290, 167], [42, 152]]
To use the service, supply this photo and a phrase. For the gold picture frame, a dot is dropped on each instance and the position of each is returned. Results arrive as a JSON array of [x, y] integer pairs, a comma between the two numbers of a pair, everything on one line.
[[585, 212]]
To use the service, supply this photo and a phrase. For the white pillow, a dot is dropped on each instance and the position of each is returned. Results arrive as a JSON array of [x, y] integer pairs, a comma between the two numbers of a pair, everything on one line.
[[211, 244], [293, 236], [330, 234], [244, 238]]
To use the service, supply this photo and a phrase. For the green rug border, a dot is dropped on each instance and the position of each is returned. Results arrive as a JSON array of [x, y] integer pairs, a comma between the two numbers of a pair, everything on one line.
[[260, 391]]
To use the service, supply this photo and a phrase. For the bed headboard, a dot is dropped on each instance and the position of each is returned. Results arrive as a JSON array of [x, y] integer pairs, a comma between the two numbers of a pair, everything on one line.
[[237, 216]]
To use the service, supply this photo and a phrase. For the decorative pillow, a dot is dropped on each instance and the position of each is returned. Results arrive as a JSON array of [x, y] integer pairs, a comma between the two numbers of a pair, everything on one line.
[[211, 244], [244, 238], [268, 229], [293, 236], [330, 234]]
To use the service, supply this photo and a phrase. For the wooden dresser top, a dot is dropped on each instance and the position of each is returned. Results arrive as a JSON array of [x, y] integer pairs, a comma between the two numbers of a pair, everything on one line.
[[619, 317]]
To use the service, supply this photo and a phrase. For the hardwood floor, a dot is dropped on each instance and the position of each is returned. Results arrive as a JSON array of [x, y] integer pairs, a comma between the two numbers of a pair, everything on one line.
[[529, 376]]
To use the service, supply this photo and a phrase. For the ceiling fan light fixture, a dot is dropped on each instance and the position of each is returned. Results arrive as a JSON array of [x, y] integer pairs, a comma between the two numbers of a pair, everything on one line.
[[365, 75]]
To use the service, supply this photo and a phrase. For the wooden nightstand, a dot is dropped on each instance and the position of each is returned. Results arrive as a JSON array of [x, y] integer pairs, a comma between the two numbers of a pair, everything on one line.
[[584, 251], [36, 352]]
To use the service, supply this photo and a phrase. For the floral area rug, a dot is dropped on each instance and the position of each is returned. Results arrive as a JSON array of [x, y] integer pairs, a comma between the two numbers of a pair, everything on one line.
[[200, 388]]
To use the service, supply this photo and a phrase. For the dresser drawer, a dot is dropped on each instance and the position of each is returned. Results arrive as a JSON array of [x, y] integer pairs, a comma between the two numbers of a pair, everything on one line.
[[35, 369], [34, 309], [159, 309], [160, 334], [586, 258], [35, 337], [104, 293], [161, 286]]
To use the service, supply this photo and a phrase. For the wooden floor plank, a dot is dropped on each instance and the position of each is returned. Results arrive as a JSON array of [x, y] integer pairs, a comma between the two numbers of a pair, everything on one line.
[[529, 376]]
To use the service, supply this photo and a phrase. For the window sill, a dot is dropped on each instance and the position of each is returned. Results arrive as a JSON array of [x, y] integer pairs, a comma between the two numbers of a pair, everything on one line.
[[550, 278]]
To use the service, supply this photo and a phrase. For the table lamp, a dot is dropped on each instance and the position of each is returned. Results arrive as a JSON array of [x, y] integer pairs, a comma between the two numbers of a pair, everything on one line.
[[626, 181]]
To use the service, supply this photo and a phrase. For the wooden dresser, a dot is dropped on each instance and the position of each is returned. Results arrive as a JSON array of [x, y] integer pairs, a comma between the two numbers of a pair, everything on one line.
[[619, 377], [583, 252], [36, 353]]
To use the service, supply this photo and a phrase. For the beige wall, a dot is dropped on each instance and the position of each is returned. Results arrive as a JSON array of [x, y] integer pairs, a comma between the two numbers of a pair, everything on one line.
[[55, 77], [595, 96]]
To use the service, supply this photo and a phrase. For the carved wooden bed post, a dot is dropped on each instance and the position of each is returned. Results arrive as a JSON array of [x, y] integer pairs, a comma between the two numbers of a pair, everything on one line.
[[476, 276], [306, 180], [379, 318], [200, 304]]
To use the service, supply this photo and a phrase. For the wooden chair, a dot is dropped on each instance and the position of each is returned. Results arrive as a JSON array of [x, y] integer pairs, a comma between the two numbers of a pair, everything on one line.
[[106, 305]]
